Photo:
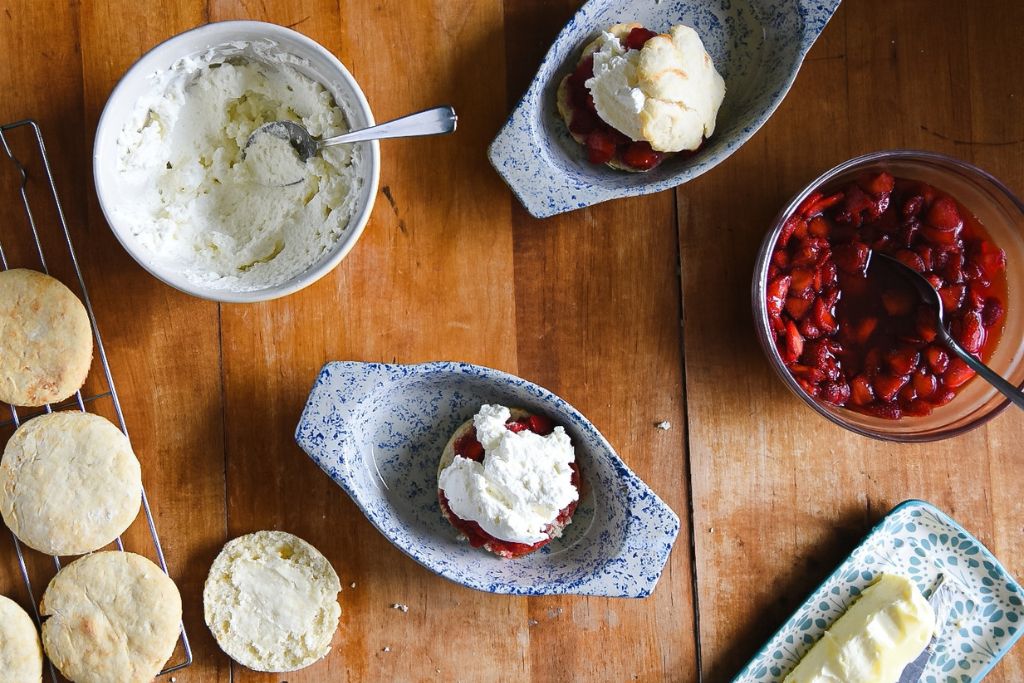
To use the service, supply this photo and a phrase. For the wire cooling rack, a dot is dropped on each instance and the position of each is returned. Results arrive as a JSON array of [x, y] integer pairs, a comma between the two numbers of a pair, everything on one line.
[[107, 394]]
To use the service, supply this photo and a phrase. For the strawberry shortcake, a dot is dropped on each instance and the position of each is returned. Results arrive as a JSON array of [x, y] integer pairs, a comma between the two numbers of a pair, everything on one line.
[[508, 481], [637, 96]]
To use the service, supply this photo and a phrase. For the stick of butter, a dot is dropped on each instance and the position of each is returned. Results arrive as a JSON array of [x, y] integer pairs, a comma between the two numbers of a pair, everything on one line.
[[883, 631]]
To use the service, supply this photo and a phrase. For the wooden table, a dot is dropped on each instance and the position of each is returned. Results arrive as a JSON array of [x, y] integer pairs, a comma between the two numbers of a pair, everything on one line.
[[588, 304]]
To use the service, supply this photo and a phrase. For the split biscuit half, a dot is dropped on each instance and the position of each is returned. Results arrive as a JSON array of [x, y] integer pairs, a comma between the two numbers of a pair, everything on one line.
[[271, 601]]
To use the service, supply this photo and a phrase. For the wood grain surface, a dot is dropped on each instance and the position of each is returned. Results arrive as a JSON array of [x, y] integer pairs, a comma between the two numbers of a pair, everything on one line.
[[588, 304]]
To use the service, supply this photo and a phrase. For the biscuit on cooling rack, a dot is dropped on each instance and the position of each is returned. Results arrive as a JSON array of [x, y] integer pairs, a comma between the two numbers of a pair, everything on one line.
[[21, 656], [271, 601], [114, 617], [69, 483], [45, 339]]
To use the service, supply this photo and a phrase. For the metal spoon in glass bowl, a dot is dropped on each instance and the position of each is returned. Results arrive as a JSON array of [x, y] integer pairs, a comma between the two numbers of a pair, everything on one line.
[[934, 303], [436, 121]]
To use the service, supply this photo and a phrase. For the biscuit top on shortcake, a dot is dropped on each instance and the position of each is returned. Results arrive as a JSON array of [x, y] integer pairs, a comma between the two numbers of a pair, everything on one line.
[[667, 92]]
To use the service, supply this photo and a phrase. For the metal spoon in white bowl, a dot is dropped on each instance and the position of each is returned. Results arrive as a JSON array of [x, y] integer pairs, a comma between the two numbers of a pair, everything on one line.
[[436, 121], [934, 302]]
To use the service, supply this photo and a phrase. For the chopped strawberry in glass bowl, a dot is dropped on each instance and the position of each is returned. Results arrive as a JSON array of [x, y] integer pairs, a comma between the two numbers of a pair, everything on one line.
[[853, 339]]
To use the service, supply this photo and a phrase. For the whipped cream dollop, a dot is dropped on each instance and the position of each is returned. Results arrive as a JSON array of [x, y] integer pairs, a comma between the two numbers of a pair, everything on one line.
[[520, 487], [883, 631], [667, 93], [196, 205]]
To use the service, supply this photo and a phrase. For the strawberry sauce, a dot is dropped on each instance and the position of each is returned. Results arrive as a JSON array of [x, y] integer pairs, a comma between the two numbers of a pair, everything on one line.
[[859, 337], [467, 446]]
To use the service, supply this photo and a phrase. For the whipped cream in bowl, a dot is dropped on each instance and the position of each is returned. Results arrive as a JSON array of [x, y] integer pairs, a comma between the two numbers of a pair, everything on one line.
[[197, 212]]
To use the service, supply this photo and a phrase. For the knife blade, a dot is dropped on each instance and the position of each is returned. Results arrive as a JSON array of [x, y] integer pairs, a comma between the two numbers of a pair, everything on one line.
[[939, 600]]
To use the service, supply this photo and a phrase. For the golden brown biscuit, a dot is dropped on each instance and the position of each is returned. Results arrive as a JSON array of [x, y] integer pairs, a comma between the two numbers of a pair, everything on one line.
[[114, 617], [69, 483], [45, 339], [21, 656]]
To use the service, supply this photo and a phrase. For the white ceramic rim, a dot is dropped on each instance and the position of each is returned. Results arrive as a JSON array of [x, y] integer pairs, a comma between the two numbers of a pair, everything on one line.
[[357, 224]]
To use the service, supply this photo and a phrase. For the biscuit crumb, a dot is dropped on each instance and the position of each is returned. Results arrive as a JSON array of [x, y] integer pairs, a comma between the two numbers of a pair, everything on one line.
[[400, 607], [664, 425]]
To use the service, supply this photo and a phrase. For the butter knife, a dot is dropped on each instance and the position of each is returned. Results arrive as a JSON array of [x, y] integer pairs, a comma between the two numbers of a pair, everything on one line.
[[939, 600]]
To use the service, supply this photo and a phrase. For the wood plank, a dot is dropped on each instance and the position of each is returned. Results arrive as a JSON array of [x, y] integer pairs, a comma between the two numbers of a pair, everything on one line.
[[780, 496], [46, 50], [994, 92], [598, 315], [163, 345], [23, 68], [407, 292]]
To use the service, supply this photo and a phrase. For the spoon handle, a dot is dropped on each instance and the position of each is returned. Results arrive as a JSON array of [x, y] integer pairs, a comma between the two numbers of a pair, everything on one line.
[[436, 121], [1005, 388]]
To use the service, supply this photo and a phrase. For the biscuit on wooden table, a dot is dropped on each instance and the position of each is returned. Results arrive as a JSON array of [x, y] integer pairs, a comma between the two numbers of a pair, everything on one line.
[[271, 601]]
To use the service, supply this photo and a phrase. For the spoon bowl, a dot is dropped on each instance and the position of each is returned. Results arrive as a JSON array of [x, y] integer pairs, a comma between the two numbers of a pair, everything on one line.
[[295, 134]]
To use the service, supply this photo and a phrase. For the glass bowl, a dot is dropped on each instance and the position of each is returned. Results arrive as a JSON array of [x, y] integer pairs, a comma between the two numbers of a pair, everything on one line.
[[1002, 215]]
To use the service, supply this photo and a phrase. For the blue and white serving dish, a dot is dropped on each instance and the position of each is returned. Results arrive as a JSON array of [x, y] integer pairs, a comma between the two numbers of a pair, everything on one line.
[[920, 542], [379, 430], [757, 46]]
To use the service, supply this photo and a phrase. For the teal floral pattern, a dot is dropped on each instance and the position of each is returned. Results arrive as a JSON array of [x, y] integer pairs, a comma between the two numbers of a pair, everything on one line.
[[920, 542]]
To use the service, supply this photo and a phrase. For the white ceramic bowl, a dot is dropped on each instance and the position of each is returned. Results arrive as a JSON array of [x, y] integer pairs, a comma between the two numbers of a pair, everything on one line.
[[312, 60]]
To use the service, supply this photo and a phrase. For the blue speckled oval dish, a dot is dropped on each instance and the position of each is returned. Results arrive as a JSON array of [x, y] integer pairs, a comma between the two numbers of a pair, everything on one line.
[[378, 431], [757, 46], [919, 541]]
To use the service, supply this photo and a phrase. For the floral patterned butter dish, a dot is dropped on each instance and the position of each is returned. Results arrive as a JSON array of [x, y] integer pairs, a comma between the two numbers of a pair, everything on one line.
[[757, 45], [378, 431], [919, 541]]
